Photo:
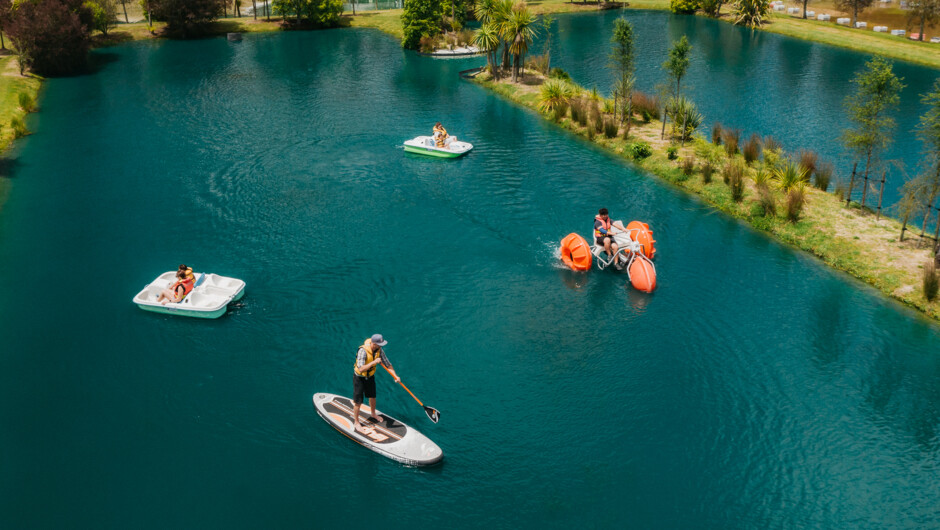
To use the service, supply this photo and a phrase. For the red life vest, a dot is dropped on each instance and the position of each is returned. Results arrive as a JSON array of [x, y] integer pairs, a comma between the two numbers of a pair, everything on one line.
[[604, 224], [187, 286]]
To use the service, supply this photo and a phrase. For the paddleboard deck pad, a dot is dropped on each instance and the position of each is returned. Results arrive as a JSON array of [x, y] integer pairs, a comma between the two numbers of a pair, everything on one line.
[[389, 437]]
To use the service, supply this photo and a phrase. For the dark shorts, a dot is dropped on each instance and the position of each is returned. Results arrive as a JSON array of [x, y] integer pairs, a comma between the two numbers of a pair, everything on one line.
[[599, 241], [363, 386]]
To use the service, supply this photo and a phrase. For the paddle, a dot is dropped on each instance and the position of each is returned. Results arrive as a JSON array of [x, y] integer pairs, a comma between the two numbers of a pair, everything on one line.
[[433, 414]]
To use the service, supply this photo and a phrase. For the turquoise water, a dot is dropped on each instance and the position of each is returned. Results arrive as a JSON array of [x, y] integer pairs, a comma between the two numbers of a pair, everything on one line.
[[752, 80], [755, 388]]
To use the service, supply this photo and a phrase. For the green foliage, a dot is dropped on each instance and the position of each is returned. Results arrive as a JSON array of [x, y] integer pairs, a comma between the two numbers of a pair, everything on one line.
[[823, 176], [19, 127], [579, 113], [553, 93], [796, 199], [487, 39], [877, 91], [684, 7], [716, 133], [731, 137], [103, 14], [560, 111], [688, 166], [733, 176], [672, 152], [597, 120], [640, 150], [186, 18], [712, 8], [610, 127], [751, 13], [519, 31], [419, 18], [931, 282], [558, 73], [790, 175], [309, 13], [622, 66], [685, 118], [27, 103], [752, 149], [708, 169], [677, 64]]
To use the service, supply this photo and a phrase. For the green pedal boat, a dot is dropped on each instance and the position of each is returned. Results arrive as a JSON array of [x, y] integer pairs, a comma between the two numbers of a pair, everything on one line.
[[424, 145]]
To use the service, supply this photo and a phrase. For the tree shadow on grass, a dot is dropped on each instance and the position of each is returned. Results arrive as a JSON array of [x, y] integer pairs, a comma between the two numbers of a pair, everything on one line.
[[111, 39]]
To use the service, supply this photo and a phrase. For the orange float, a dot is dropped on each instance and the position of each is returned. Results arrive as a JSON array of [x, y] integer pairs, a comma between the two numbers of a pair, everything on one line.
[[642, 275], [641, 233], [575, 252]]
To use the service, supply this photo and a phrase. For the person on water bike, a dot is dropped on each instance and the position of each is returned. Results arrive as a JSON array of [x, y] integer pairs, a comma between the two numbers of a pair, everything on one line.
[[176, 292], [603, 235], [440, 134], [369, 355]]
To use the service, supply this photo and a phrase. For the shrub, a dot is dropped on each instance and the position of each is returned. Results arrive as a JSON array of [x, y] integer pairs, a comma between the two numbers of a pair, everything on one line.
[[539, 63], [640, 150], [768, 202], [707, 170], [790, 175], [772, 159], [685, 118], [420, 18], [684, 7], [672, 152], [465, 37], [712, 7], [560, 111], [645, 105], [796, 197], [608, 107], [27, 103], [427, 44], [931, 282], [558, 73], [823, 175], [19, 128], [716, 133], [808, 161], [578, 112], [731, 137], [597, 119], [688, 166], [611, 127], [552, 93], [52, 36], [771, 144], [190, 18], [752, 13], [103, 14], [752, 149]]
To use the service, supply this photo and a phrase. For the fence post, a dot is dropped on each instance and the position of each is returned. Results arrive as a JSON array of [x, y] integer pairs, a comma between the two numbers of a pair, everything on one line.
[[865, 188], [881, 194], [848, 197]]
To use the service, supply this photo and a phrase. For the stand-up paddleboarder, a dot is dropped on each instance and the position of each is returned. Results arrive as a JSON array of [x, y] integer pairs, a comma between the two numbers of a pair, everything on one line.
[[369, 355]]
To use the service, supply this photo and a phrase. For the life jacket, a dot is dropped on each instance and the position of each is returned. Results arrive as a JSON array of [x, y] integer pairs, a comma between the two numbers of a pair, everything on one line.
[[604, 224], [440, 134], [187, 286], [370, 356]]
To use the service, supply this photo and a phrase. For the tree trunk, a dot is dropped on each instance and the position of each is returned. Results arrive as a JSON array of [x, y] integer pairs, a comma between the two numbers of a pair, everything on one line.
[[629, 115], [903, 228], [515, 68], [848, 196], [353, 2], [505, 55], [855, 13], [254, 8], [804, 9], [150, 17], [920, 36], [2, 45], [881, 194], [865, 188], [124, 5], [267, 9], [936, 231]]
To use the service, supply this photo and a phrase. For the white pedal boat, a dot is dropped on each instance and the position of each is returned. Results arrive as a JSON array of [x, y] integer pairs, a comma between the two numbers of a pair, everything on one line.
[[425, 145], [209, 298]]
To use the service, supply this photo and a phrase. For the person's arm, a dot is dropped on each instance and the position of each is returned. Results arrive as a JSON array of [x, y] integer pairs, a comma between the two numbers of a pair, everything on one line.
[[599, 226], [388, 365]]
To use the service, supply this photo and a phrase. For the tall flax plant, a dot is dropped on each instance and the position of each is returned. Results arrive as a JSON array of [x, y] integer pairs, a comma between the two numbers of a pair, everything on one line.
[[877, 92], [676, 67], [487, 39], [622, 66], [555, 93], [789, 175]]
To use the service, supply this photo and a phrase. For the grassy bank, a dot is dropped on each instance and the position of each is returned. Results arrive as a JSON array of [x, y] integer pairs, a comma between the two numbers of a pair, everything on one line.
[[849, 239], [12, 84]]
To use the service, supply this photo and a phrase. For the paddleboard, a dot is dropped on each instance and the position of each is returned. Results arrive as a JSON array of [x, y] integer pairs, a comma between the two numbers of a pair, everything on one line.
[[390, 437]]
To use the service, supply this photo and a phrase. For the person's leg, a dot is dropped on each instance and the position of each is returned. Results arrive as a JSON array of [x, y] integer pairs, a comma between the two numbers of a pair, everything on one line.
[[607, 246], [357, 403], [374, 414], [370, 393]]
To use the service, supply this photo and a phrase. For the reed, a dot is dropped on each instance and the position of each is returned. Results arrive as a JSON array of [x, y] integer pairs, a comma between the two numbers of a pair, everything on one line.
[[823, 176], [734, 177], [752, 149], [597, 119], [27, 103], [19, 127], [611, 127], [771, 144], [796, 198], [688, 166], [731, 137], [578, 112], [560, 111], [645, 105], [708, 169], [808, 161], [931, 282], [716, 133]]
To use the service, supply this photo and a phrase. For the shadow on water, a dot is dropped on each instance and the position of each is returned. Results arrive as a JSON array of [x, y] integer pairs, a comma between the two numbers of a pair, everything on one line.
[[8, 167], [98, 60]]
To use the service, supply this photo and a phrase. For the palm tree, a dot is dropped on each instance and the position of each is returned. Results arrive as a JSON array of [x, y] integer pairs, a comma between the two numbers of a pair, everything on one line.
[[501, 15], [522, 31], [487, 39]]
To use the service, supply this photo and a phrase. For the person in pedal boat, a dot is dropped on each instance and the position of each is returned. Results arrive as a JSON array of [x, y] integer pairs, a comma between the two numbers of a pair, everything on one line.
[[440, 134], [182, 287], [603, 236], [369, 355]]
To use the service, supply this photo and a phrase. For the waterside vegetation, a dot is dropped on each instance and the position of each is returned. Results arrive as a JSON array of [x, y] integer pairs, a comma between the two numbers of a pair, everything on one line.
[[789, 195]]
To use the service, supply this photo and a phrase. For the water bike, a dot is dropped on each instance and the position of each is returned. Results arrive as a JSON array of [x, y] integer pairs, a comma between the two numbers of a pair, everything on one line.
[[634, 255], [209, 298], [425, 145]]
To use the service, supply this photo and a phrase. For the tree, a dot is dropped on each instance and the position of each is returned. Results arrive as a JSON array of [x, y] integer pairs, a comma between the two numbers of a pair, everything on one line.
[[487, 39], [712, 8], [310, 13], [6, 12], [51, 36], [124, 6], [924, 13], [751, 13], [547, 21], [522, 31], [877, 92], [929, 132], [622, 64], [420, 18], [676, 67], [853, 6], [186, 18], [103, 14]]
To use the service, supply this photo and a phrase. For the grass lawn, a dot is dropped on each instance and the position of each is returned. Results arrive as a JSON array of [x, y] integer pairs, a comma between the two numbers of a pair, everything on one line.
[[11, 85]]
